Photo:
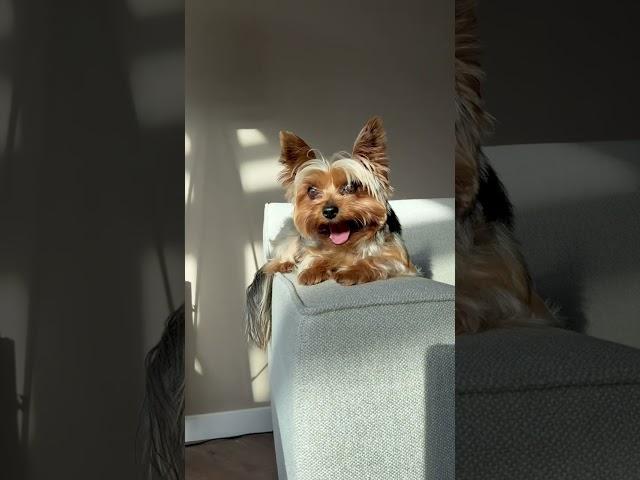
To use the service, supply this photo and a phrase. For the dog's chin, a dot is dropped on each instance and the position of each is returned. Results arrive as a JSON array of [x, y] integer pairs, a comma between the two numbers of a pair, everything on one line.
[[339, 233]]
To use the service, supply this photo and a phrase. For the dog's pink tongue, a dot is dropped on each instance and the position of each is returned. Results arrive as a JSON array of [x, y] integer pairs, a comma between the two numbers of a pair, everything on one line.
[[339, 233]]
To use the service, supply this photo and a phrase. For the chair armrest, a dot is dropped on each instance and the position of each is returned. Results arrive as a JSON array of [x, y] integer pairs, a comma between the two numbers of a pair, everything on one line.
[[350, 370], [330, 296]]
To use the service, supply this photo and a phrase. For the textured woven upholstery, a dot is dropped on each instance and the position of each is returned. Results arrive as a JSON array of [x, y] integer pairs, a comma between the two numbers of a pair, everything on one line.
[[544, 403], [362, 377]]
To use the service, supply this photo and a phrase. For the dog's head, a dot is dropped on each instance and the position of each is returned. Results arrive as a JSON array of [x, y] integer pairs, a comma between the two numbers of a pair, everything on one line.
[[341, 201]]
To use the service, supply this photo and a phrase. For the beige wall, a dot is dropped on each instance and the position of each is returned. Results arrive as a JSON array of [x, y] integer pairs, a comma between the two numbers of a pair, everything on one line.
[[254, 68]]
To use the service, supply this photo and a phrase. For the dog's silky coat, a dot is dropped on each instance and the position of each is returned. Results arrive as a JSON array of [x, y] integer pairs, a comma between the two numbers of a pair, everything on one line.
[[344, 227], [493, 285]]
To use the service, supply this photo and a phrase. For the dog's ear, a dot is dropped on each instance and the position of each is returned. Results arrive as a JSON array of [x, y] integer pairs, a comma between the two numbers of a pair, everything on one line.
[[293, 152], [371, 149]]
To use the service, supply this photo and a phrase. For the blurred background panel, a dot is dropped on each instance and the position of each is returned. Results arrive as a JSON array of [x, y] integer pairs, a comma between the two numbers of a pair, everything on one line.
[[92, 226], [562, 83]]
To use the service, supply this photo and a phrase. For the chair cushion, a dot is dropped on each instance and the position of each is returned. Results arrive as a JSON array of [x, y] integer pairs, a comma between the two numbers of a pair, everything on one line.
[[362, 379]]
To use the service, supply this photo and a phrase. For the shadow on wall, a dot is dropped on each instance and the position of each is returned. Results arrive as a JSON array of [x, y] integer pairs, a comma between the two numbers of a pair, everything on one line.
[[578, 219], [85, 197], [223, 208]]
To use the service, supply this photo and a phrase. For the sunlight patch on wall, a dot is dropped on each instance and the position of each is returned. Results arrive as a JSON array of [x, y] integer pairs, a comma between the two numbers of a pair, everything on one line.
[[197, 367], [250, 267], [257, 357], [187, 144], [260, 175], [250, 137], [187, 186], [190, 275], [260, 374]]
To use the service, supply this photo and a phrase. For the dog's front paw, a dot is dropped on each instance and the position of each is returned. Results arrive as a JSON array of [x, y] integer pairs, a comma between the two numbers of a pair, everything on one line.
[[353, 276], [279, 267], [313, 276], [286, 267]]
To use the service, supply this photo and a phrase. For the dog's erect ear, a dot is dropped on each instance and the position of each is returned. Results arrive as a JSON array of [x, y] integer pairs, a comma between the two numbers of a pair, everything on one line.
[[293, 152], [371, 147]]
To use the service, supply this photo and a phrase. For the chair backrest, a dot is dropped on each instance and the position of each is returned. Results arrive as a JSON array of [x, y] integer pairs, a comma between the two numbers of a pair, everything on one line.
[[428, 229]]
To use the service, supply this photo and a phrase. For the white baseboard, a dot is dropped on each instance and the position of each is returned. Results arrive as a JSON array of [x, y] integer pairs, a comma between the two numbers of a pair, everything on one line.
[[208, 426]]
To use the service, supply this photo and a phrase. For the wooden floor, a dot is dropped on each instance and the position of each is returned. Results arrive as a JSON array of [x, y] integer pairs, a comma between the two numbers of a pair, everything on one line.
[[250, 457]]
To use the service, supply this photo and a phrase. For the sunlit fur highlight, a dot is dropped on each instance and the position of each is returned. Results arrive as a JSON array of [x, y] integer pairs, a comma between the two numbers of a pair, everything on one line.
[[357, 184], [362, 171], [493, 285]]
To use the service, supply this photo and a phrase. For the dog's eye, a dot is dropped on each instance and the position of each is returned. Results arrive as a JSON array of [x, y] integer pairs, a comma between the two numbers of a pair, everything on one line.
[[313, 193], [349, 188]]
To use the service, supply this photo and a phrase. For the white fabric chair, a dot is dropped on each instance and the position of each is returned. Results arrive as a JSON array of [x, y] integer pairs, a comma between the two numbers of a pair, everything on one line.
[[362, 377]]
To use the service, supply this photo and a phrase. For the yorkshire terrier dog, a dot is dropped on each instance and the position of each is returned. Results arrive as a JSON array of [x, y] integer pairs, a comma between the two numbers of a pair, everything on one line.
[[493, 284], [345, 229]]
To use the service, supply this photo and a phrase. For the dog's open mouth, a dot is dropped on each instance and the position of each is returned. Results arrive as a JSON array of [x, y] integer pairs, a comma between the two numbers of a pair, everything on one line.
[[339, 232]]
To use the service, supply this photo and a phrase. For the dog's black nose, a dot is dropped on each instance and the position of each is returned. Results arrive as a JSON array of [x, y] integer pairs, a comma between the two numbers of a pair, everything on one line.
[[330, 211]]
